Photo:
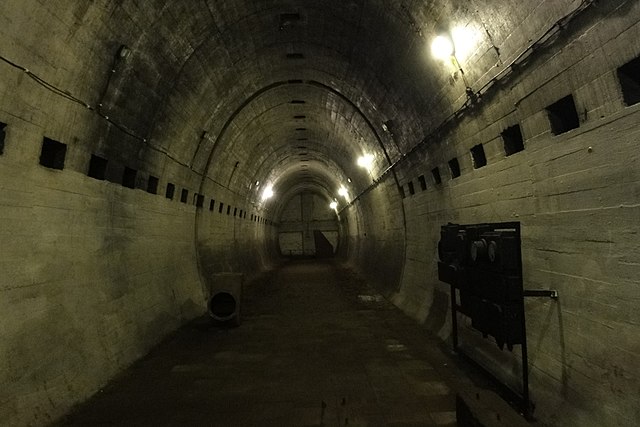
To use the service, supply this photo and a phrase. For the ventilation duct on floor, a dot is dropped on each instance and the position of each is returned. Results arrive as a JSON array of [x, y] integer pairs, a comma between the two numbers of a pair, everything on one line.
[[224, 298]]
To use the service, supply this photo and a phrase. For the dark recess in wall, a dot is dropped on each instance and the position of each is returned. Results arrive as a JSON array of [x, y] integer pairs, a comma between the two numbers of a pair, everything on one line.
[[289, 19], [324, 248], [152, 185], [513, 141], [454, 168], [220, 207], [97, 167], [53, 154], [423, 182], [478, 156], [412, 190], [199, 200], [2, 136], [435, 172], [629, 77], [212, 204], [184, 196], [563, 115], [129, 177], [171, 189]]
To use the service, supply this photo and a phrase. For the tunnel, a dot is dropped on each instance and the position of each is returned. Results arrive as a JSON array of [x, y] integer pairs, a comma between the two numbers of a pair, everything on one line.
[[153, 150]]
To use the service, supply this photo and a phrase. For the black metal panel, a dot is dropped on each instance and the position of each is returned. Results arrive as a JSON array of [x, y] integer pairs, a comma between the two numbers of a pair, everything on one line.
[[484, 262], [483, 265]]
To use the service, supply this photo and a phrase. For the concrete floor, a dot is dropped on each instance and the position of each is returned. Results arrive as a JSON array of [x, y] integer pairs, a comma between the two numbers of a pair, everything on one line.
[[316, 347]]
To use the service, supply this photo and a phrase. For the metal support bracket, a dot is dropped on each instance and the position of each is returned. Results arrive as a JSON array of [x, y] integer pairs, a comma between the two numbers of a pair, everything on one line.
[[553, 294]]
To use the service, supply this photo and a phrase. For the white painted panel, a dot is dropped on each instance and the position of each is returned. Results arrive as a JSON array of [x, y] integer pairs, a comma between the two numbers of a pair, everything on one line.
[[291, 243]]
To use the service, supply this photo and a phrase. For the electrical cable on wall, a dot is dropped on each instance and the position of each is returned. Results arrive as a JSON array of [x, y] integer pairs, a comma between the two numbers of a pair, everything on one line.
[[65, 94], [473, 97], [98, 110]]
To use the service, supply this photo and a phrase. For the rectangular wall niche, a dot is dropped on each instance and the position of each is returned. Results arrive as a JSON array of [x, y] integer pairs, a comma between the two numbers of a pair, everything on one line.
[[220, 207], [629, 77], [412, 189], [3, 127], [97, 167], [184, 196], [287, 19], [295, 56], [513, 141], [212, 204], [454, 168], [423, 182], [53, 154], [435, 172], [152, 184], [563, 115], [171, 190], [478, 156], [129, 177], [199, 200]]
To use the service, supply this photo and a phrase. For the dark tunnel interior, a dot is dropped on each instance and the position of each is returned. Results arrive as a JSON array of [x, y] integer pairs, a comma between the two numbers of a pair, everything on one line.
[[152, 150]]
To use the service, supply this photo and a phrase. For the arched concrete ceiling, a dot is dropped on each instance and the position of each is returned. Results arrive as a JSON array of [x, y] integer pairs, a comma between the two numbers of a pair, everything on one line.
[[259, 73], [214, 84], [300, 66], [301, 129]]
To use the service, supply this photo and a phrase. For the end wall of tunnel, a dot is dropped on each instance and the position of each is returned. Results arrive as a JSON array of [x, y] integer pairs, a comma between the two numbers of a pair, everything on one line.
[[168, 146]]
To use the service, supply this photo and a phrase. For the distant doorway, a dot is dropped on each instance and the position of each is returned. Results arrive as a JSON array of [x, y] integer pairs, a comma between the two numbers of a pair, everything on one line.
[[308, 228]]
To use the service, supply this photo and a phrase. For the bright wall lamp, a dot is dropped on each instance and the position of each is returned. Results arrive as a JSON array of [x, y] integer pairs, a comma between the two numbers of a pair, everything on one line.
[[366, 161], [442, 47]]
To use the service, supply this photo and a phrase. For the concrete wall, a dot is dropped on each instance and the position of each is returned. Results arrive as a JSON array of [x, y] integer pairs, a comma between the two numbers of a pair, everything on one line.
[[576, 196], [376, 236], [92, 275], [232, 238]]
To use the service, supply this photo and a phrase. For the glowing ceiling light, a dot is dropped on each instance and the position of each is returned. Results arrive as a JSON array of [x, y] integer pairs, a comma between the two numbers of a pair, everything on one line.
[[257, 183], [333, 205], [465, 39], [366, 161], [342, 191], [442, 47], [267, 193]]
